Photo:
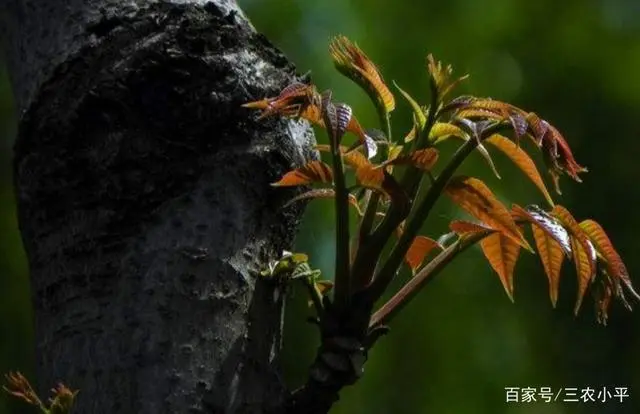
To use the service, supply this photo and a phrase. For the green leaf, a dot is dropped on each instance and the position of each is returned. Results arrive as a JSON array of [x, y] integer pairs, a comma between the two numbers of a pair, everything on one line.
[[418, 113]]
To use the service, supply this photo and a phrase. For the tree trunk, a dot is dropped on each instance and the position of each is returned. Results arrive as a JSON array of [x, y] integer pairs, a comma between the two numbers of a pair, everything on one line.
[[144, 201]]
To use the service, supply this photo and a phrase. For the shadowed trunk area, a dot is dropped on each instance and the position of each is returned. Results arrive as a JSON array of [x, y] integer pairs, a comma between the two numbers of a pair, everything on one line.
[[145, 206]]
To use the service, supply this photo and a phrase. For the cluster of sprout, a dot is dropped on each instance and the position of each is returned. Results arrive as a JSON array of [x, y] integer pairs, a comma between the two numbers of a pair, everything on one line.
[[60, 403], [386, 174]]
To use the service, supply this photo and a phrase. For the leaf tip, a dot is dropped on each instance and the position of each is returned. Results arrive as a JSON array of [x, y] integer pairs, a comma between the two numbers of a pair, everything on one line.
[[511, 297], [525, 244]]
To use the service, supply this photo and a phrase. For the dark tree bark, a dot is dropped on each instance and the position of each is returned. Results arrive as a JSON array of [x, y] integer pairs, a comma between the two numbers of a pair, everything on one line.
[[144, 201]]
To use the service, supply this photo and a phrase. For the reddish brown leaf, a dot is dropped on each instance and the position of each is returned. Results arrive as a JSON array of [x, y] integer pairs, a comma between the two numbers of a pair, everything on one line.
[[603, 296], [356, 129], [573, 228], [475, 197], [311, 113], [343, 112], [478, 113], [314, 171], [354, 64], [492, 105], [354, 159], [519, 125], [502, 253], [486, 108], [538, 127], [365, 141], [301, 100], [441, 77], [583, 269], [614, 265], [463, 227], [370, 176], [315, 193], [18, 386], [552, 242], [324, 193], [618, 292], [522, 160], [519, 213], [583, 256], [552, 255], [380, 180], [330, 118], [423, 159], [545, 222], [261, 104], [555, 149], [294, 89], [565, 156], [291, 101], [419, 249], [458, 102]]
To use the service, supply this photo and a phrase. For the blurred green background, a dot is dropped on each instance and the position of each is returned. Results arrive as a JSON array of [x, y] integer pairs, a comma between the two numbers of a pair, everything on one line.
[[456, 348]]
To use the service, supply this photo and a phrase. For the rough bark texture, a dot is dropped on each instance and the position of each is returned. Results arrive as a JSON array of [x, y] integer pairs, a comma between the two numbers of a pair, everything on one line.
[[144, 202]]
